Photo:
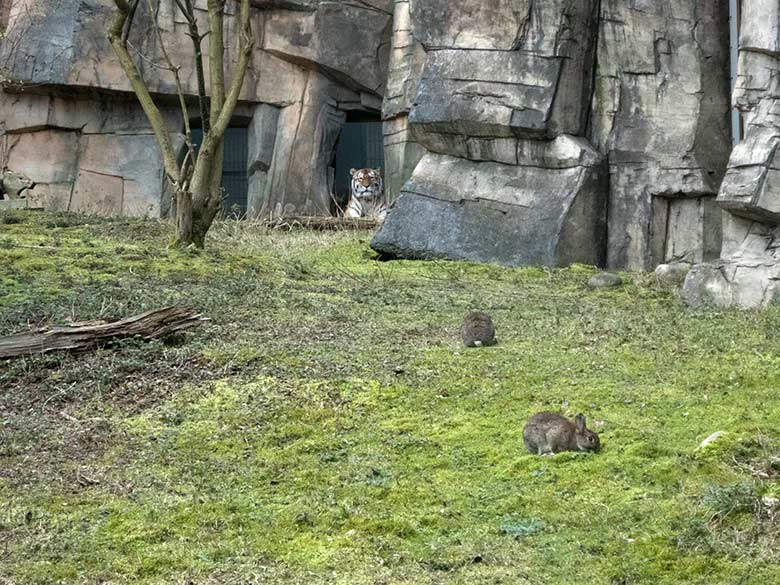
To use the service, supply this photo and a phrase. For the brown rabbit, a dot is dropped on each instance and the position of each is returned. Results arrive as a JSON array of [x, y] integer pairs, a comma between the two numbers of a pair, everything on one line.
[[549, 432], [478, 330]]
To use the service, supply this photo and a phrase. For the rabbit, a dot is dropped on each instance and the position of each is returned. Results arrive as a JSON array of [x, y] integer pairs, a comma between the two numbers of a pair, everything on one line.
[[478, 330], [549, 432]]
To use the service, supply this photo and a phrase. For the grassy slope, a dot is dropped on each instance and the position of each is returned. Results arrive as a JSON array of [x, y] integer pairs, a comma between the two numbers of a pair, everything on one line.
[[326, 426]]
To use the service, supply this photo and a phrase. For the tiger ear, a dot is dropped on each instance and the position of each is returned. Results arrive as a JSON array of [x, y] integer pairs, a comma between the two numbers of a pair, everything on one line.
[[352, 172]]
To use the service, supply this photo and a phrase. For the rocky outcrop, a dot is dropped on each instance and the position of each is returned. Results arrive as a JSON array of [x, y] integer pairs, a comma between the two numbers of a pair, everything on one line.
[[660, 116], [313, 61], [748, 271], [519, 214], [95, 155], [641, 87], [500, 108]]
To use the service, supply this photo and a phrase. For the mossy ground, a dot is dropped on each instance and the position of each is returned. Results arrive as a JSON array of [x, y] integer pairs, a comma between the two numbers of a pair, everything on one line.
[[326, 426]]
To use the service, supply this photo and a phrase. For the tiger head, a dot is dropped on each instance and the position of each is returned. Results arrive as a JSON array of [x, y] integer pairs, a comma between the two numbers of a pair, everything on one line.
[[366, 183]]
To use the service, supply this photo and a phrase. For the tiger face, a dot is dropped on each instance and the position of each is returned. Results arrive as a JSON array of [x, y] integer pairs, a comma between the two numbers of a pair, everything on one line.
[[366, 183]]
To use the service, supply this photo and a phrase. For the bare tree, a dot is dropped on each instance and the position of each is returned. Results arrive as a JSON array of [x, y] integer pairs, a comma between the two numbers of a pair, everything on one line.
[[196, 181]]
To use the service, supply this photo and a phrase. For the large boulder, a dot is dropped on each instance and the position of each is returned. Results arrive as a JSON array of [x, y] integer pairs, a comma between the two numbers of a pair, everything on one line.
[[499, 116], [507, 214]]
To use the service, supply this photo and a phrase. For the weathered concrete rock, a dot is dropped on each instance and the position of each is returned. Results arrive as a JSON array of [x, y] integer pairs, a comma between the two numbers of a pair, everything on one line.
[[477, 84], [14, 185], [407, 57], [485, 93], [313, 61], [748, 270], [747, 275], [661, 98], [751, 187], [349, 42], [480, 25], [653, 107], [450, 205], [262, 139], [672, 274], [494, 186], [605, 280]]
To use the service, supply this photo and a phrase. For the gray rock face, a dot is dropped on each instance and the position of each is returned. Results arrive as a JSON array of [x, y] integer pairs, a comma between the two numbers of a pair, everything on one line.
[[504, 82], [748, 274], [510, 87], [505, 179], [672, 274], [660, 114], [749, 266], [449, 204], [605, 280], [14, 186], [314, 61]]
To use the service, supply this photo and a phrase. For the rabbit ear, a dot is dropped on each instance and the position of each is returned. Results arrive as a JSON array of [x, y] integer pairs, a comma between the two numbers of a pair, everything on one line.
[[579, 422]]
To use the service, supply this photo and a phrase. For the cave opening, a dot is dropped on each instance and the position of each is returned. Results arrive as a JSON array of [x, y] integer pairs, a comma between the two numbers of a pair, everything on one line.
[[360, 145]]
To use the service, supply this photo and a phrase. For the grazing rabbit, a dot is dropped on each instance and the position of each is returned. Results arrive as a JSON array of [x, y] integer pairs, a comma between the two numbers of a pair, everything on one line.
[[549, 432], [478, 330]]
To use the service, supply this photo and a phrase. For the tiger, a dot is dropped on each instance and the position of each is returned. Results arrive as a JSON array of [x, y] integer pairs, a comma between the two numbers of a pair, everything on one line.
[[367, 197]]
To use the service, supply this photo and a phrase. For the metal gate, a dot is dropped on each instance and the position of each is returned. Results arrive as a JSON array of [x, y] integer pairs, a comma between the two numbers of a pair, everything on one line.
[[235, 180], [361, 145]]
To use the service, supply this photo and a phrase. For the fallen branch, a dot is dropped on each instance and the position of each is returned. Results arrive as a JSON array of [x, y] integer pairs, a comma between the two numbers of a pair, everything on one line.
[[89, 335], [321, 223]]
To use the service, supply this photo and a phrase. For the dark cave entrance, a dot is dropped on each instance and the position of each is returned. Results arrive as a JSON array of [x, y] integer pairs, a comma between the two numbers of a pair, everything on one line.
[[360, 145]]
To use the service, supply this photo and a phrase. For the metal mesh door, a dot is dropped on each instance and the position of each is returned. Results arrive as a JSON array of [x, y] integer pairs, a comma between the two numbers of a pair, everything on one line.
[[360, 145], [235, 180]]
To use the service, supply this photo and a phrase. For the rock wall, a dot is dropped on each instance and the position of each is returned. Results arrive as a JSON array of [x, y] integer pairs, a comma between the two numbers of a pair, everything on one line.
[[748, 271], [660, 116], [515, 131], [506, 102], [93, 155], [495, 97], [313, 61]]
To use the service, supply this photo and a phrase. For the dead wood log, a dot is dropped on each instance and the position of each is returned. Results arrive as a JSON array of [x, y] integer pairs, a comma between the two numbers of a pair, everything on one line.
[[91, 334], [317, 223]]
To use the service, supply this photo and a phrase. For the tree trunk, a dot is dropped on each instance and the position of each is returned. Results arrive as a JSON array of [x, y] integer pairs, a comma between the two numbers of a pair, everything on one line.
[[184, 227], [89, 335], [197, 183]]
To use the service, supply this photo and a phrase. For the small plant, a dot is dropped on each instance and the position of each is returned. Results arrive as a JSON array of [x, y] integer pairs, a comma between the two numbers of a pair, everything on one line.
[[10, 218], [299, 268], [726, 501], [522, 527]]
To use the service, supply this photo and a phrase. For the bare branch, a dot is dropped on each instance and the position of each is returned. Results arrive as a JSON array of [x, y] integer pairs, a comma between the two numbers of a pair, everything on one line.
[[130, 18], [239, 73], [227, 102], [185, 114], [216, 17], [187, 9]]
